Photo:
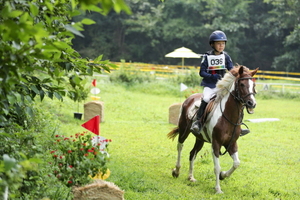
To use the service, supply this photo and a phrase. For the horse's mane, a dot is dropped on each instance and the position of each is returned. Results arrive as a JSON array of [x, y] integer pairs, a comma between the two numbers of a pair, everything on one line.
[[227, 81]]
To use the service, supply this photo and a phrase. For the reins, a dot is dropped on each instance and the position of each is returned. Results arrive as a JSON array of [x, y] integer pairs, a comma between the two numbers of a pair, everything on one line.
[[241, 114]]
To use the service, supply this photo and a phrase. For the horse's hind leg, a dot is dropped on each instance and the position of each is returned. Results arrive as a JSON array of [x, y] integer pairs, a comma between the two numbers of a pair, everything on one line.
[[197, 147], [183, 134], [176, 170]]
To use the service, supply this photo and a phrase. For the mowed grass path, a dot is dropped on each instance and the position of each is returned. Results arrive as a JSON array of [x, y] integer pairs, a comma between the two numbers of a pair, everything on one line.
[[142, 157]]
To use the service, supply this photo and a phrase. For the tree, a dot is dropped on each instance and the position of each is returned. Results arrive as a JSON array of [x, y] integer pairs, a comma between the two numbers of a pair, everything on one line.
[[260, 33], [36, 55], [284, 21]]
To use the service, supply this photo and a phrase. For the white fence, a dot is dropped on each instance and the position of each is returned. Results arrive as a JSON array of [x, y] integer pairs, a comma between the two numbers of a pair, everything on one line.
[[278, 87]]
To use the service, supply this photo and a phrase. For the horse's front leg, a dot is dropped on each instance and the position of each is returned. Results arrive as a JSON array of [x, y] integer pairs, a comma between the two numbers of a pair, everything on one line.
[[217, 170], [176, 170], [236, 164]]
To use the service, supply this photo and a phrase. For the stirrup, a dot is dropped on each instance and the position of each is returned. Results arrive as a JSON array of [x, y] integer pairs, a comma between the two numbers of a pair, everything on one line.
[[244, 132], [196, 127]]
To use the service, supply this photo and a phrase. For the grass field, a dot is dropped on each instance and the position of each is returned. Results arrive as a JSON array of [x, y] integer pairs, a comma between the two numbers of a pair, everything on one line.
[[142, 157]]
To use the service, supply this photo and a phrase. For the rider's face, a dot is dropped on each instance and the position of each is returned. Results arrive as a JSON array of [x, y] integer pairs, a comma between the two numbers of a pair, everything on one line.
[[219, 45]]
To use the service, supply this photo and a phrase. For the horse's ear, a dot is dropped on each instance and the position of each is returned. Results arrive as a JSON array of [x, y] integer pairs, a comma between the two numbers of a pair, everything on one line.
[[241, 70], [254, 72]]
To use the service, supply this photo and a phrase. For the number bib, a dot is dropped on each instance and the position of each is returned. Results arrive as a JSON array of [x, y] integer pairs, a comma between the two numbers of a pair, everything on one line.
[[216, 62]]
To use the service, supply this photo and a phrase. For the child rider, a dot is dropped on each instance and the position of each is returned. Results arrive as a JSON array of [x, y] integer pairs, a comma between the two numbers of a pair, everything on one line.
[[213, 67]]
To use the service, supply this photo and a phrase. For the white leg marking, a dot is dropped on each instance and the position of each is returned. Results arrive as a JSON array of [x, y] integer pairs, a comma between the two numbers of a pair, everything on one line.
[[236, 164], [178, 165], [191, 170], [217, 170]]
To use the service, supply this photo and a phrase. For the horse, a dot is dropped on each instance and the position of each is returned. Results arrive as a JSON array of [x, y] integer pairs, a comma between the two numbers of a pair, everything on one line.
[[222, 127]]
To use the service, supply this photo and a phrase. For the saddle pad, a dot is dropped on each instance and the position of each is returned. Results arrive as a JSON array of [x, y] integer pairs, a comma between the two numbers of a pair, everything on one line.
[[193, 109]]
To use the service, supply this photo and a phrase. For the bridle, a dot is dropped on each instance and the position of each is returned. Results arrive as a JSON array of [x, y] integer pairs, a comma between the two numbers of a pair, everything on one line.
[[238, 96], [239, 99]]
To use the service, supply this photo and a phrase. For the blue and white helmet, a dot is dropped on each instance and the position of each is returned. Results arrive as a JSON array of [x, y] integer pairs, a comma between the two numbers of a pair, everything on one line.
[[217, 36]]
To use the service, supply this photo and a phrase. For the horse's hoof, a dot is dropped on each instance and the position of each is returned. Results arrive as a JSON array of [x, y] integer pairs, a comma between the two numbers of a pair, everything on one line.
[[174, 174], [221, 177], [219, 192], [192, 179]]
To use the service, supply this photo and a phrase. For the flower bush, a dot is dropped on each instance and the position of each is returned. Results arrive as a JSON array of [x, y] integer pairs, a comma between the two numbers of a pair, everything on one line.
[[75, 158]]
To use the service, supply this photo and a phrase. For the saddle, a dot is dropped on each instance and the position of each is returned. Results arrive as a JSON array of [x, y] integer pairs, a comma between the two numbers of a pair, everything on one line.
[[210, 106]]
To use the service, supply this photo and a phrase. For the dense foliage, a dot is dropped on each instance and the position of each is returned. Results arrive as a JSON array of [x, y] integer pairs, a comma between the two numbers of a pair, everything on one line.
[[261, 33], [36, 54], [37, 60]]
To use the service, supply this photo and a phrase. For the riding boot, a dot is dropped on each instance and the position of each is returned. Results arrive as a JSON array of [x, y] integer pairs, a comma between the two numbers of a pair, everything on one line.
[[244, 132], [196, 126]]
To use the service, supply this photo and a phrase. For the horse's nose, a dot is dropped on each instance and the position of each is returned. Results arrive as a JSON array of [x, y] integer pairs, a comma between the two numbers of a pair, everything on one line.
[[250, 104]]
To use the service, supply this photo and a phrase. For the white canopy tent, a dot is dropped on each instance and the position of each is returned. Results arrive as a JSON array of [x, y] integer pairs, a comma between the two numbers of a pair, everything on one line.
[[183, 53]]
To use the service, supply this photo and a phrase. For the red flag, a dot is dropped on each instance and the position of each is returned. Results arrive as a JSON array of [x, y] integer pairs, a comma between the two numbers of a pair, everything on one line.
[[94, 83], [93, 124]]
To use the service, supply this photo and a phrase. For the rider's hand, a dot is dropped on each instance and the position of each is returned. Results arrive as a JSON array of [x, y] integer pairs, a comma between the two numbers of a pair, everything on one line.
[[216, 76]]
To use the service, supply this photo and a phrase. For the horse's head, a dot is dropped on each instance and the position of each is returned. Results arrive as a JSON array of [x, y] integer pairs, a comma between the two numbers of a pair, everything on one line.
[[245, 88]]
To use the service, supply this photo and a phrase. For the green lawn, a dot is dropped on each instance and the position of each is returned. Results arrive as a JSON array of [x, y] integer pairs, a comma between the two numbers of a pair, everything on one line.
[[142, 157]]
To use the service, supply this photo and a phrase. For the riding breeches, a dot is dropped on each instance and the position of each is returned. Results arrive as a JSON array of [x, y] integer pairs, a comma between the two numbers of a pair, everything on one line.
[[208, 93]]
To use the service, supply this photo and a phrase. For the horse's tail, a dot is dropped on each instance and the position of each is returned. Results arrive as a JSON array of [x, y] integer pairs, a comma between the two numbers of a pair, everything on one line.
[[172, 135]]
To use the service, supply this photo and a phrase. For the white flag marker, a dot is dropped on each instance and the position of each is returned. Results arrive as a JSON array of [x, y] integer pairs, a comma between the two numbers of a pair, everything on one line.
[[183, 87]]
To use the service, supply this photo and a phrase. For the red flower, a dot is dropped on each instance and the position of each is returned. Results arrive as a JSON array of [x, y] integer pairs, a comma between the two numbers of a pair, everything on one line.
[[58, 140], [66, 138], [52, 152], [81, 149], [70, 182], [70, 166], [89, 150], [61, 157], [69, 151], [55, 156], [57, 136], [86, 154]]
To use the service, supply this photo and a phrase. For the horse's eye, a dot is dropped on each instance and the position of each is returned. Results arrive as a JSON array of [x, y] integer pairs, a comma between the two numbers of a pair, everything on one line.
[[242, 85]]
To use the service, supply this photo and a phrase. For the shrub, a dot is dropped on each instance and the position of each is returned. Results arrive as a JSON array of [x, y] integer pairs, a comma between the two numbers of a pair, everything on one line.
[[130, 76], [192, 79]]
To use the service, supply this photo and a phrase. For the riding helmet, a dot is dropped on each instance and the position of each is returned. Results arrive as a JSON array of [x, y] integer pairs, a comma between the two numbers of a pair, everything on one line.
[[217, 36]]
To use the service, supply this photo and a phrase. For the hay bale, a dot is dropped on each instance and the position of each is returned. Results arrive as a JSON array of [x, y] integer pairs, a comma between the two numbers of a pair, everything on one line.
[[93, 108], [174, 111], [99, 190]]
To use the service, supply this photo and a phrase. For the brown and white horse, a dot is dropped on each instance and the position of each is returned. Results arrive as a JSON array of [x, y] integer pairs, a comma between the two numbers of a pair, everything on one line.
[[223, 124]]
